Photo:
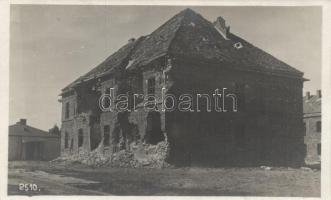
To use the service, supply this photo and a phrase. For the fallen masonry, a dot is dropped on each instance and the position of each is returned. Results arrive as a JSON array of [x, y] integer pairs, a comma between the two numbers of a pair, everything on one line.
[[140, 156]]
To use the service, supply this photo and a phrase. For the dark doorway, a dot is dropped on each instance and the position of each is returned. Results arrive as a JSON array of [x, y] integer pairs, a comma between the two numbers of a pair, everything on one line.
[[154, 133], [80, 137], [71, 144], [106, 135], [95, 136]]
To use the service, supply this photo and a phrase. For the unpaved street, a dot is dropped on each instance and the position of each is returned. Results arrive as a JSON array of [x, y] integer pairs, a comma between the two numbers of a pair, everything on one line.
[[83, 180], [47, 183]]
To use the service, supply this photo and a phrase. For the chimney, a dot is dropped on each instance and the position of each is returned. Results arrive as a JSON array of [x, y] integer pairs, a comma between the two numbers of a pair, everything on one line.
[[22, 121], [221, 27], [308, 95], [319, 93]]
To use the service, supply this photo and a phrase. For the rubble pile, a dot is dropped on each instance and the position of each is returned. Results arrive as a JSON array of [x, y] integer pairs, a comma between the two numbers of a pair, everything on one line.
[[157, 155], [124, 158], [154, 156], [94, 158]]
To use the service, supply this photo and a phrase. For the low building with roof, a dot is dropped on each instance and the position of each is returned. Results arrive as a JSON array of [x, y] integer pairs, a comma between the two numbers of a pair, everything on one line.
[[30, 143]]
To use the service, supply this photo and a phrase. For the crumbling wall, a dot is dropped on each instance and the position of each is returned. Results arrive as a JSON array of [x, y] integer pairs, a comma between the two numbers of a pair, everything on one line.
[[108, 119], [130, 132], [95, 136], [81, 123], [124, 133], [139, 155], [67, 129], [128, 147], [83, 115]]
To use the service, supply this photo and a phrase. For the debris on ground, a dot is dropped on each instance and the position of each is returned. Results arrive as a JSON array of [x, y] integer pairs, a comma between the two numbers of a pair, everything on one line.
[[266, 168], [140, 155]]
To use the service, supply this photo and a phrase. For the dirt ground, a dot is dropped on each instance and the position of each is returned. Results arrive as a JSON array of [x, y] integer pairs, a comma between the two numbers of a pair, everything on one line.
[[82, 180]]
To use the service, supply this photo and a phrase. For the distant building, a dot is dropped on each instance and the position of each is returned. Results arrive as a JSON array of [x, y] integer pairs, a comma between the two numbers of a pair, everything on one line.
[[313, 125], [29, 143]]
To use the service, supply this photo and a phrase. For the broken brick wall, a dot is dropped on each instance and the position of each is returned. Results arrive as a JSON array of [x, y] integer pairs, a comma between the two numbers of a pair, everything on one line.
[[72, 128], [132, 125], [67, 127], [77, 124]]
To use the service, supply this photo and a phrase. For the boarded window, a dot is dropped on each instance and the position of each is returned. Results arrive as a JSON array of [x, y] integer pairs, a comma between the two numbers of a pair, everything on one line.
[[67, 110], [66, 140], [318, 126], [80, 137], [106, 132], [151, 86], [319, 149]]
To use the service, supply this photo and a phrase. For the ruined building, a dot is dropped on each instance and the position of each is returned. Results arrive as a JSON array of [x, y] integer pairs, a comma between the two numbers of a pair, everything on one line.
[[312, 126], [191, 55]]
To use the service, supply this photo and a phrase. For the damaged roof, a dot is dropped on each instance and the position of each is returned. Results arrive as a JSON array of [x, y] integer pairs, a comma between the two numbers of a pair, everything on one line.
[[189, 35], [199, 39], [111, 63]]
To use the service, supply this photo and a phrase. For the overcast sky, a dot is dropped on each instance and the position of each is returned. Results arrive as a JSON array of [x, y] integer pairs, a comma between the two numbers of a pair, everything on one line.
[[50, 46]]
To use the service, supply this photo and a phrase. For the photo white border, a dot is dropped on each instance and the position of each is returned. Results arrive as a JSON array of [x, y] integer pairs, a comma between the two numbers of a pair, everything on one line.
[[326, 83]]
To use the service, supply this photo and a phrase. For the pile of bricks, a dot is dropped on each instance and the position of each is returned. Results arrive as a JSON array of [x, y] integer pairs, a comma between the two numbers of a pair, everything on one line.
[[124, 158], [154, 157]]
